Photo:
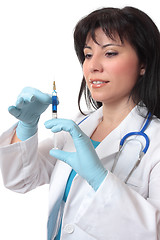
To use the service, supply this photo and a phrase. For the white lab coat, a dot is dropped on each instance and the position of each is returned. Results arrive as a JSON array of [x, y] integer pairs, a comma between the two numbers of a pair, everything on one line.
[[116, 211]]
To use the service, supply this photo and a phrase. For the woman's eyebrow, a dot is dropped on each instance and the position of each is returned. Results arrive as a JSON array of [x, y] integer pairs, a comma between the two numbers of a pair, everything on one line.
[[104, 46], [87, 47], [111, 44]]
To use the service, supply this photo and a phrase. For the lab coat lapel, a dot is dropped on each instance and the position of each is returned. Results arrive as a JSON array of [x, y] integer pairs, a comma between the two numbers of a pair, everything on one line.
[[90, 123], [111, 141], [58, 178]]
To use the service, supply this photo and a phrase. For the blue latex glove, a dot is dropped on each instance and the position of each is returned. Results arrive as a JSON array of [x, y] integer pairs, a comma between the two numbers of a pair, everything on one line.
[[31, 103], [85, 160]]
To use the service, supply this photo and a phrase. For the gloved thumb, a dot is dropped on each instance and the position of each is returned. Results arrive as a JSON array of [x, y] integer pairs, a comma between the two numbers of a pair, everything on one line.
[[14, 111], [61, 155]]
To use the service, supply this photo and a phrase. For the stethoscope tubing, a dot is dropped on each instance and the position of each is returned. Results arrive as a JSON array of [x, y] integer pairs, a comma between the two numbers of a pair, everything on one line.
[[140, 133], [137, 134]]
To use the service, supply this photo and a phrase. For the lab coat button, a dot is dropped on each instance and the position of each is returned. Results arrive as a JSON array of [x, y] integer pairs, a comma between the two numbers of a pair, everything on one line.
[[69, 228]]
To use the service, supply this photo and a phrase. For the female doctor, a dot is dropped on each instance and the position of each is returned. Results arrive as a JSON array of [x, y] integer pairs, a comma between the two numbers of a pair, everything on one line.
[[97, 191]]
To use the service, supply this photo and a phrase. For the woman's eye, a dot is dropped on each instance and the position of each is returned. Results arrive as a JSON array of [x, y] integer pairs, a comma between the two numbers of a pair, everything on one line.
[[88, 55], [111, 54]]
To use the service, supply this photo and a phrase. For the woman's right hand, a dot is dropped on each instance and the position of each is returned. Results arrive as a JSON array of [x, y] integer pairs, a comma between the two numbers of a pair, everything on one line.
[[30, 104]]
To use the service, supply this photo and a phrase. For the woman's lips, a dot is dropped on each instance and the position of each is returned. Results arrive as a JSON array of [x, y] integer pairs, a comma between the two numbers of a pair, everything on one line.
[[97, 83]]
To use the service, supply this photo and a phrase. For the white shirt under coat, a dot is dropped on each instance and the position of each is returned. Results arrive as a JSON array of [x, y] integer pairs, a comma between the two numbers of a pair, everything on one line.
[[116, 211]]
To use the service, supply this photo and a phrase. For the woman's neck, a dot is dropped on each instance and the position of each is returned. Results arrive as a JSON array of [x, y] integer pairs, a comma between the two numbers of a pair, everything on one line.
[[113, 115]]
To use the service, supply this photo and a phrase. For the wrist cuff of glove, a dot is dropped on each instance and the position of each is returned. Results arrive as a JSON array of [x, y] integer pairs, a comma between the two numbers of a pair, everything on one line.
[[97, 181], [25, 131]]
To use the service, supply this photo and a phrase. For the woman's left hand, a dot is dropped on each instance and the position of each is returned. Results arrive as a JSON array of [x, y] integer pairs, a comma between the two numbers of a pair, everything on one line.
[[85, 160]]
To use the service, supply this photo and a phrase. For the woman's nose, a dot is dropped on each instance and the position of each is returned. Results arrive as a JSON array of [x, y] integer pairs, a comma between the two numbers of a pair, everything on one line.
[[96, 65]]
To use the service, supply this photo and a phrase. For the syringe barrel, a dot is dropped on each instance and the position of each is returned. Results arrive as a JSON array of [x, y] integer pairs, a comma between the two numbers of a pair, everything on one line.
[[54, 104]]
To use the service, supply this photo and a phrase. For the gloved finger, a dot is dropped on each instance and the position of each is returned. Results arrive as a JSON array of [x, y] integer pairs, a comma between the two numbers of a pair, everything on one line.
[[24, 98], [57, 100], [31, 94], [20, 102], [43, 97], [14, 111], [57, 125], [61, 155], [51, 123]]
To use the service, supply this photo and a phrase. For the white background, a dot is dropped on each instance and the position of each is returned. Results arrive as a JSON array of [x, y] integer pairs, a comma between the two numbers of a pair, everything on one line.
[[36, 45]]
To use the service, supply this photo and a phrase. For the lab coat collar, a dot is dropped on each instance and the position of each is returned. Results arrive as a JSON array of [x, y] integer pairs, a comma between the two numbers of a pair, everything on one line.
[[133, 122]]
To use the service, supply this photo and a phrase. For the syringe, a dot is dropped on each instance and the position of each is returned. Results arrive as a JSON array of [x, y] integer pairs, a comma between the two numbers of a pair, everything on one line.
[[54, 101], [54, 108]]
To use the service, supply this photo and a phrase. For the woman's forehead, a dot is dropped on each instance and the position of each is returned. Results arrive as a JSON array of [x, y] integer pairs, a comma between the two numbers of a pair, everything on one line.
[[101, 38]]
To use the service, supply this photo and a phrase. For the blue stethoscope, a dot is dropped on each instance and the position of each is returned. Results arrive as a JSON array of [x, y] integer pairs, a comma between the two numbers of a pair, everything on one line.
[[125, 140]]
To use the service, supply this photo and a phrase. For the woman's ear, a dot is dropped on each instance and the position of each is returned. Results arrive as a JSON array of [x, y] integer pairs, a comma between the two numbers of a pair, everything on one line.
[[142, 70]]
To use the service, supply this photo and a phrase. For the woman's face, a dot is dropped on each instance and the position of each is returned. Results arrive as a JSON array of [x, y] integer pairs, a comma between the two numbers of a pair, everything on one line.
[[111, 68]]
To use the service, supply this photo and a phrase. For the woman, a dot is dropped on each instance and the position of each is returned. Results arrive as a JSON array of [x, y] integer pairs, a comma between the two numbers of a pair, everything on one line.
[[108, 195]]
